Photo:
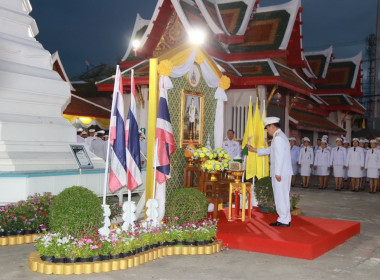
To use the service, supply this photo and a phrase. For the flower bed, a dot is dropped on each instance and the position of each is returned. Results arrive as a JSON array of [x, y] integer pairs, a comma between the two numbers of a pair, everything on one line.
[[38, 265], [55, 247], [25, 217]]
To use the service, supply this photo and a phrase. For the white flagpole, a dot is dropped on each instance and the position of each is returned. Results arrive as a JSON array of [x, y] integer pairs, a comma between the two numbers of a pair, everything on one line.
[[104, 231], [116, 85]]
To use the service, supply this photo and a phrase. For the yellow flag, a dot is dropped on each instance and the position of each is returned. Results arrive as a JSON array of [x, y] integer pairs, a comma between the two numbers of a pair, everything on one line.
[[250, 169], [259, 142], [266, 158]]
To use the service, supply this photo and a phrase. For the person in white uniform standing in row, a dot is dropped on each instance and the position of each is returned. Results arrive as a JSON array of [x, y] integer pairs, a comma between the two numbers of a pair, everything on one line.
[[295, 154], [305, 161], [355, 164], [372, 165], [280, 169], [337, 162], [231, 146], [322, 164], [364, 173], [98, 146]]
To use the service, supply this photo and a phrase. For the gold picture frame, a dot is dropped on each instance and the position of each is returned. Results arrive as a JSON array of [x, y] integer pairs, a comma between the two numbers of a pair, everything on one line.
[[192, 117]]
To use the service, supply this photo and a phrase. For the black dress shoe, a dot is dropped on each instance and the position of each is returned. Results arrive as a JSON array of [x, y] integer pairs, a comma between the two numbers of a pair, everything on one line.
[[278, 224]]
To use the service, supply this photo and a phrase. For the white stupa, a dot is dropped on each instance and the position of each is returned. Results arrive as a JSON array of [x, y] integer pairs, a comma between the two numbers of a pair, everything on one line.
[[34, 137]]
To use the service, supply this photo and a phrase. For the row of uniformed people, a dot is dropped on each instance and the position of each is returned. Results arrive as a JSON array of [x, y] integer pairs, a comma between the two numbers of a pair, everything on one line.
[[354, 161], [96, 141]]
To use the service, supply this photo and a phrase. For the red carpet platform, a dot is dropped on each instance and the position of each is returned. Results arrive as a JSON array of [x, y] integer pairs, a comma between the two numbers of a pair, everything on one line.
[[306, 238]]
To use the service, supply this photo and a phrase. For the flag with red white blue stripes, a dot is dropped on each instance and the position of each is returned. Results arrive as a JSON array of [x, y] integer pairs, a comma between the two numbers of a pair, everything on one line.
[[133, 142], [125, 169], [165, 144]]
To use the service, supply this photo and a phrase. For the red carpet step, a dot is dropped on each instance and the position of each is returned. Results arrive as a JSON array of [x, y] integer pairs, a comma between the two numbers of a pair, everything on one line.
[[306, 238]]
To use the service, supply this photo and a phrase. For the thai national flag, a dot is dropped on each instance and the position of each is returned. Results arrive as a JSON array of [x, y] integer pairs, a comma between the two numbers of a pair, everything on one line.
[[165, 144], [125, 165], [118, 159], [132, 141]]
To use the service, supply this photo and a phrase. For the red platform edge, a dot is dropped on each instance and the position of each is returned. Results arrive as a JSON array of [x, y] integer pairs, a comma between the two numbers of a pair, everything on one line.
[[306, 238]]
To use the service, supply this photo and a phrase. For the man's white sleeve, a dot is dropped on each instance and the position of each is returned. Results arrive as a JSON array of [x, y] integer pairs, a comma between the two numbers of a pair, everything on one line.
[[263, 152]]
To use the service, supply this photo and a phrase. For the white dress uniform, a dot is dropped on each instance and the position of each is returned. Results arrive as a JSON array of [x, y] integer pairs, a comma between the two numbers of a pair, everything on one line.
[[232, 148], [322, 162], [281, 165], [88, 140], [364, 171], [306, 159], [99, 148], [372, 163], [295, 154], [354, 161], [80, 139], [338, 160]]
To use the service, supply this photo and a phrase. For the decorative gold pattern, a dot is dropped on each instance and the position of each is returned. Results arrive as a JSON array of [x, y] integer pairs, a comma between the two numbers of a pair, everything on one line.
[[177, 160], [38, 265], [174, 35]]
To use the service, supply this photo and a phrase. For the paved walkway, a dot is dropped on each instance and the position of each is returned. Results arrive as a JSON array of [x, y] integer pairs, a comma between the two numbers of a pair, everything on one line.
[[358, 258]]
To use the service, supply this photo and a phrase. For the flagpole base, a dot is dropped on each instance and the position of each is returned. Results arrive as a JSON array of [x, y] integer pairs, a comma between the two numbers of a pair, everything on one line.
[[105, 231]]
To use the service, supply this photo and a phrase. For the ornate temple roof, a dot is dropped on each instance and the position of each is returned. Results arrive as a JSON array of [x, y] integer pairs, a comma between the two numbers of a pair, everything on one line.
[[318, 62], [341, 74], [342, 102], [308, 121]]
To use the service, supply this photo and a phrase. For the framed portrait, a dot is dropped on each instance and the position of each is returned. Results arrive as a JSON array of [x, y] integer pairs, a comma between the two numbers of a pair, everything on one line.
[[192, 117]]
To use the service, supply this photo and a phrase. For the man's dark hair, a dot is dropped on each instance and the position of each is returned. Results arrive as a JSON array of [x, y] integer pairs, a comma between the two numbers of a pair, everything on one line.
[[231, 130], [277, 125]]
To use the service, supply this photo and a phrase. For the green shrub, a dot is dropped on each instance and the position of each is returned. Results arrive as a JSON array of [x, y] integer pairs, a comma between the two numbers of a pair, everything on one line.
[[75, 211], [264, 192], [188, 205]]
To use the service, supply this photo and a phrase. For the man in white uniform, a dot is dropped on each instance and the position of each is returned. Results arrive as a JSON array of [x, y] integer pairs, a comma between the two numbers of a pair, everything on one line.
[[98, 146], [280, 169], [89, 139], [80, 139], [295, 154], [355, 164], [231, 146]]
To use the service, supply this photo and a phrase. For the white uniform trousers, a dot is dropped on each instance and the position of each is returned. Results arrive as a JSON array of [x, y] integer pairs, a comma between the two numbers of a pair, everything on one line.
[[281, 198]]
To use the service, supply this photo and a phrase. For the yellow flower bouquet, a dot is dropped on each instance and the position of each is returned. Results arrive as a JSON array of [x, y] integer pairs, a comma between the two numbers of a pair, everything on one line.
[[213, 165], [203, 153], [220, 153]]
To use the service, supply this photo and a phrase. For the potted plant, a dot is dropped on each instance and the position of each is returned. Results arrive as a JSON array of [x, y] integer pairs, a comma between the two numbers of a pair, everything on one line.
[[264, 195], [294, 200]]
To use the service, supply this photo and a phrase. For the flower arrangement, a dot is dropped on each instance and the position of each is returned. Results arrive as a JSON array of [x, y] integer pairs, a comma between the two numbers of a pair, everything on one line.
[[203, 153], [225, 82], [121, 243], [165, 68], [294, 199], [220, 153], [26, 216], [212, 165]]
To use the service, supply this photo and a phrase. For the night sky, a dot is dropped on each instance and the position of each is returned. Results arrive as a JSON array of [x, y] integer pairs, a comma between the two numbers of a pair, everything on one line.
[[99, 30]]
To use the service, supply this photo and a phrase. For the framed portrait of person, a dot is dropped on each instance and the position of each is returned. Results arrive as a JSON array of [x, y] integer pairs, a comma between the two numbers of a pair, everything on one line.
[[192, 111]]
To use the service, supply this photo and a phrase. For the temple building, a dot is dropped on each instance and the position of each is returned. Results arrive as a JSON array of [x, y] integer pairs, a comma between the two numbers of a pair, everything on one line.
[[260, 50]]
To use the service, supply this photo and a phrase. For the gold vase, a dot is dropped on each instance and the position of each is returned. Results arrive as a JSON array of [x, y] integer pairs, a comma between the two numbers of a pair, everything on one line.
[[190, 161], [213, 177], [237, 175], [229, 174]]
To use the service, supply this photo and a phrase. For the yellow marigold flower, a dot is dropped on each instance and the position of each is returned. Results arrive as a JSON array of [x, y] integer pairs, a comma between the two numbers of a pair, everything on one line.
[[165, 68], [226, 155], [202, 155], [217, 167], [224, 82]]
